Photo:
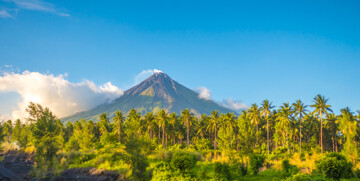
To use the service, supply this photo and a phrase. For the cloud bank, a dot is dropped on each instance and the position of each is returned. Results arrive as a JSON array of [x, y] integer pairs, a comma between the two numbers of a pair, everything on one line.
[[64, 98]]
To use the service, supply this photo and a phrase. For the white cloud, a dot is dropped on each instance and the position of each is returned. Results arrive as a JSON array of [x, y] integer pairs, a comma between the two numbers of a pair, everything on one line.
[[37, 5], [234, 105], [64, 98], [204, 93], [145, 74], [5, 14]]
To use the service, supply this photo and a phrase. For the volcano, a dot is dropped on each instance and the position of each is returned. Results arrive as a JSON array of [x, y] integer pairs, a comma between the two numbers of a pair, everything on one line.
[[157, 92]]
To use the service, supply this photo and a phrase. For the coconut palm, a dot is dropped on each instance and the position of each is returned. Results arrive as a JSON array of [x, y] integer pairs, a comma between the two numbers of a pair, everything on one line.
[[254, 114], [321, 108], [103, 124], [149, 121], [213, 125], [118, 120], [283, 118], [349, 127], [173, 120], [162, 121], [265, 111], [331, 123], [299, 110], [230, 123], [201, 126], [186, 119]]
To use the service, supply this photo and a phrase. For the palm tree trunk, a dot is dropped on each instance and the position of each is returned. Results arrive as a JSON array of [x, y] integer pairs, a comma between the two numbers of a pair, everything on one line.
[[267, 135], [257, 135], [163, 135], [215, 143], [119, 133], [321, 133], [188, 134], [287, 140], [159, 133], [300, 133]]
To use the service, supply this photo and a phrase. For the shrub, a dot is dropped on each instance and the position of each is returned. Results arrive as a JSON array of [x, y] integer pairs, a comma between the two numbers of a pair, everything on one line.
[[285, 165], [183, 161], [256, 162], [287, 168], [163, 171], [222, 171], [334, 165], [299, 177]]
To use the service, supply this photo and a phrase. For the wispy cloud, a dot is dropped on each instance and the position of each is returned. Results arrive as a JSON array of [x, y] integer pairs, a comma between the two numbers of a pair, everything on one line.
[[145, 74], [5, 14], [33, 5], [204, 93], [234, 105]]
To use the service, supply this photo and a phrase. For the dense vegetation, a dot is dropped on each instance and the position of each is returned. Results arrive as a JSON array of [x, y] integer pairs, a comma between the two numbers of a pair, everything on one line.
[[293, 142]]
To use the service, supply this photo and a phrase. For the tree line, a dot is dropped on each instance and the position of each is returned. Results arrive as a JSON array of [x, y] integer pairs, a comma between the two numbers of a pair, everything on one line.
[[262, 128]]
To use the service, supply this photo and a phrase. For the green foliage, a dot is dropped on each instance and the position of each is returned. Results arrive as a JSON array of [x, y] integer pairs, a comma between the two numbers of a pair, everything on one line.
[[334, 165], [163, 171], [44, 132], [183, 161], [300, 177], [169, 147], [222, 171], [137, 159], [256, 162]]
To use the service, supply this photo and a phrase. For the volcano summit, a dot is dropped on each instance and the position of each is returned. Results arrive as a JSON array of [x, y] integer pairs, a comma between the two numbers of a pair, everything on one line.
[[157, 92]]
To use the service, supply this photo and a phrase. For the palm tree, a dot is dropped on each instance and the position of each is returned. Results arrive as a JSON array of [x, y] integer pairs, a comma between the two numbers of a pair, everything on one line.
[[284, 116], [173, 120], [203, 123], [254, 114], [265, 111], [187, 118], [213, 123], [321, 108], [162, 120], [331, 123], [348, 126], [103, 124], [118, 119], [299, 110], [229, 122], [149, 121]]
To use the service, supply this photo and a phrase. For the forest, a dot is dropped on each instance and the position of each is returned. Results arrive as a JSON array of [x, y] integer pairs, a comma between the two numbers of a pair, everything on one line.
[[292, 141]]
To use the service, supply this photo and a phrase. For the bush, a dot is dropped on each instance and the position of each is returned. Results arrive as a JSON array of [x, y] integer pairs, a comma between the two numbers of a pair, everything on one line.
[[299, 177], [288, 169], [334, 165], [285, 166], [222, 171], [183, 161], [256, 162], [163, 171]]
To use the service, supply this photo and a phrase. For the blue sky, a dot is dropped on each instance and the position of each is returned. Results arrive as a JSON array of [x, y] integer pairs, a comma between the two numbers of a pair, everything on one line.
[[246, 50]]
